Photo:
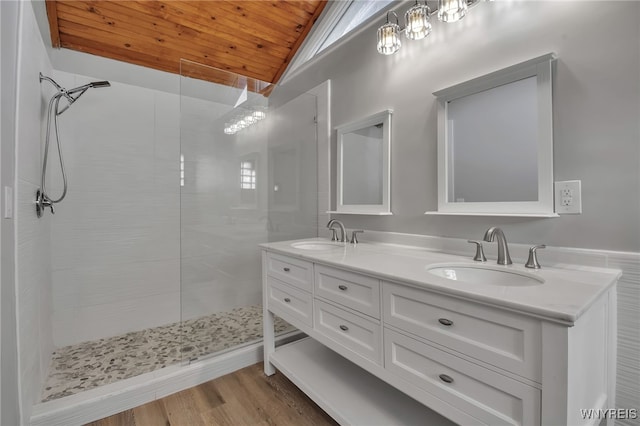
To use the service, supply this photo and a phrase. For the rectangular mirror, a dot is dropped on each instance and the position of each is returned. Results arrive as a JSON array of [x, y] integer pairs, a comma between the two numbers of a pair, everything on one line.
[[363, 165], [495, 143]]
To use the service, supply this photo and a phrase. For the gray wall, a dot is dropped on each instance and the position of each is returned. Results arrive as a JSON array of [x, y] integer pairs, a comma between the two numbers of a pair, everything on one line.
[[596, 110], [9, 17]]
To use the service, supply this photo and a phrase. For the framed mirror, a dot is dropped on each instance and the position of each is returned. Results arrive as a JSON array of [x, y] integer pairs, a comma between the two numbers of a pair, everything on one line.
[[495, 143], [363, 168]]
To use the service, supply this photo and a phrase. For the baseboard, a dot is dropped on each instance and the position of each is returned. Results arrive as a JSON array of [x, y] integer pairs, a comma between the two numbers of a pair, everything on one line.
[[114, 398]]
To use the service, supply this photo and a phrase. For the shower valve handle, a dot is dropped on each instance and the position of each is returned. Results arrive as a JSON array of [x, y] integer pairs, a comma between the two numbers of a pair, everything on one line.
[[42, 202]]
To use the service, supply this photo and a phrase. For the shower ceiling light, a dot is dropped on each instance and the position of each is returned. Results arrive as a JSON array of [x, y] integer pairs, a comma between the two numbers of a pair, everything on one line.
[[417, 23], [243, 121]]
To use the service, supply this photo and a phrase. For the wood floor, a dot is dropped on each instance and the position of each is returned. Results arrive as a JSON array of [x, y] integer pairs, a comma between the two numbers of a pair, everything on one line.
[[246, 397]]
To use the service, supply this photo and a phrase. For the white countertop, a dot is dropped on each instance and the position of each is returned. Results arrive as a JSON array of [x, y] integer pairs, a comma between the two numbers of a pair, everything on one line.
[[565, 294]]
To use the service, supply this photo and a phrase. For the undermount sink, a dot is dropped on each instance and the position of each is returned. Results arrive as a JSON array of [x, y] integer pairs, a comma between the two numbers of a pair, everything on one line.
[[484, 275], [316, 245]]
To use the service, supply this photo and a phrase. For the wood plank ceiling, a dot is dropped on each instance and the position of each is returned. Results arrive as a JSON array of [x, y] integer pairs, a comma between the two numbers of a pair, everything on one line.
[[252, 38]]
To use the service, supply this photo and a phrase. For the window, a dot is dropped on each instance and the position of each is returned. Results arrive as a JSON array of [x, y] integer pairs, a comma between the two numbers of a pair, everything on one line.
[[247, 174], [339, 19], [356, 13], [181, 169]]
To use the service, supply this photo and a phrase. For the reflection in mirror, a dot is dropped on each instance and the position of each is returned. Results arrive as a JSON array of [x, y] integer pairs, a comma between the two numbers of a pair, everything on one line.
[[495, 143], [248, 180], [284, 163], [363, 165], [362, 178]]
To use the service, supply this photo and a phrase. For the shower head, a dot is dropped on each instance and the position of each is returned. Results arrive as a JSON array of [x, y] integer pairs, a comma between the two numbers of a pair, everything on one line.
[[98, 84], [82, 89], [69, 94]]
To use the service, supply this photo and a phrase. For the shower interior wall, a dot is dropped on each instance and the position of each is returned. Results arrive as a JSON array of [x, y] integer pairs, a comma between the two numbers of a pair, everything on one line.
[[127, 229], [108, 262], [116, 237], [33, 287]]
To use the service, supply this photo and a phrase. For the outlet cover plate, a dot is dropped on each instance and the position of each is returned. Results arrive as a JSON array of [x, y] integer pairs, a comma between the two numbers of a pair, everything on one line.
[[568, 197]]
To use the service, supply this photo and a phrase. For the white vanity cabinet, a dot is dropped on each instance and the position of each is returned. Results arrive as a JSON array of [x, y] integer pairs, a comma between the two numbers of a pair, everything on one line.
[[413, 347]]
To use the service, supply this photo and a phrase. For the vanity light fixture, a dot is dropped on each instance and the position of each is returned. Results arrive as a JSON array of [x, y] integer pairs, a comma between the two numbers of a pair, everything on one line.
[[451, 10], [243, 121], [417, 23], [389, 36]]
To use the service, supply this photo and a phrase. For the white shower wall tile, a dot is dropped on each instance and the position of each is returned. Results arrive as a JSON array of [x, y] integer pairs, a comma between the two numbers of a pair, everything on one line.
[[32, 100], [113, 246], [128, 175], [94, 322], [167, 127], [116, 238], [120, 112], [104, 284], [33, 264], [204, 298], [93, 210], [166, 177], [628, 377]]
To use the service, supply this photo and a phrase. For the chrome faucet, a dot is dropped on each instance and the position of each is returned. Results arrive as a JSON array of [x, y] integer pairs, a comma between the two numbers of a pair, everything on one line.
[[342, 231], [503, 250]]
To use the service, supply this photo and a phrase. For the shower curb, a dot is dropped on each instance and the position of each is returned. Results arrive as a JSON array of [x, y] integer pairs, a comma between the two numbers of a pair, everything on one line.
[[98, 403]]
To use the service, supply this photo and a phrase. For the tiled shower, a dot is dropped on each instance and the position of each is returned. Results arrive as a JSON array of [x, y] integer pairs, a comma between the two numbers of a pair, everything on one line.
[[152, 259]]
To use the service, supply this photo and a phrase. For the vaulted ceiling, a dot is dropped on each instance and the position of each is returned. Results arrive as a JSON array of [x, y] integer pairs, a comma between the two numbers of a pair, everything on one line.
[[253, 38]]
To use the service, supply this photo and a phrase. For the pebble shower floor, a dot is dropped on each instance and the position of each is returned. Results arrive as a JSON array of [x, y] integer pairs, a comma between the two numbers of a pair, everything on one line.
[[87, 365]]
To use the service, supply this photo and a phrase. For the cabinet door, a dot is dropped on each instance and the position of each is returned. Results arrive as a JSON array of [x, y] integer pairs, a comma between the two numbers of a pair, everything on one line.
[[492, 398]]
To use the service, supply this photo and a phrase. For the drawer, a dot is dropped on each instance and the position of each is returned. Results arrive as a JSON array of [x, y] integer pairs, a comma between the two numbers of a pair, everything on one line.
[[488, 396], [354, 291], [503, 339], [287, 301], [292, 271], [355, 333]]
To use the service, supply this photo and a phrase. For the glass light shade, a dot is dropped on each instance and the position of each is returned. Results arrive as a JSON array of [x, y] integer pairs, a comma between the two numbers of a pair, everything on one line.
[[250, 119], [417, 25], [451, 10], [388, 39], [259, 115]]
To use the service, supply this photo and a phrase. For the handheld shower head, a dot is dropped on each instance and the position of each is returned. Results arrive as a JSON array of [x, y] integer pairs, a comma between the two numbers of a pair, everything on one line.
[[80, 91], [98, 84]]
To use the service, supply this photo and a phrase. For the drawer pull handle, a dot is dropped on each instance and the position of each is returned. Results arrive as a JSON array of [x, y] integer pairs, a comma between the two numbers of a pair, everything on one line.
[[342, 287], [286, 269], [445, 321], [445, 378], [344, 328], [286, 299]]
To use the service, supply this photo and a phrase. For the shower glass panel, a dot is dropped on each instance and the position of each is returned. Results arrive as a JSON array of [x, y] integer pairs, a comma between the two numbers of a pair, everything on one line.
[[247, 176]]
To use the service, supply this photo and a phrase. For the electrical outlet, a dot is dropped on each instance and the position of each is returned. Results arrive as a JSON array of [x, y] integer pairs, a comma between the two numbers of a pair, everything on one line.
[[568, 197]]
